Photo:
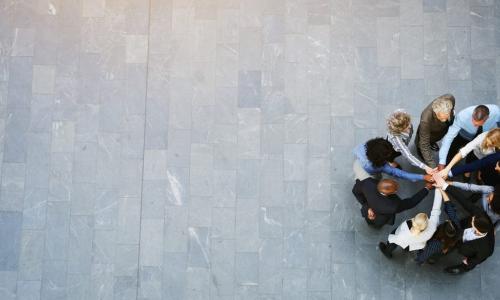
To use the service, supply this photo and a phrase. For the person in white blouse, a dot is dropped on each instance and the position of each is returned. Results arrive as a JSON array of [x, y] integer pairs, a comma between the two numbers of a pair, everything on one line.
[[412, 234], [484, 144]]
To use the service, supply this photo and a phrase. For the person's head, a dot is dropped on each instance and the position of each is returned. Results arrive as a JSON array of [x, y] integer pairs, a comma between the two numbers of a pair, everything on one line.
[[494, 200], [443, 107], [387, 186], [492, 140], [398, 122], [379, 151], [419, 223], [480, 115], [481, 224]]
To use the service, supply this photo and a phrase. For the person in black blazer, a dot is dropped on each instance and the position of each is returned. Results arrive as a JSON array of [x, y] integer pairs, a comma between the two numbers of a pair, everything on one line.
[[476, 232], [379, 201]]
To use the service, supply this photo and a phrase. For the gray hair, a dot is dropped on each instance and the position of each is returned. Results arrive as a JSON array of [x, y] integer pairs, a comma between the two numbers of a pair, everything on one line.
[[443, 104]]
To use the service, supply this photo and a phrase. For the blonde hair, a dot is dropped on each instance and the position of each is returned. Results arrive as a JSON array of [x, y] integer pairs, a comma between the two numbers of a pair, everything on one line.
[[493, 139], [398, 121], [418, 223], [443, 104]]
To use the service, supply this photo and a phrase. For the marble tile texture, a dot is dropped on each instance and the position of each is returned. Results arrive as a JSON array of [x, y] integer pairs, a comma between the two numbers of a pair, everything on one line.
[[201, 149]]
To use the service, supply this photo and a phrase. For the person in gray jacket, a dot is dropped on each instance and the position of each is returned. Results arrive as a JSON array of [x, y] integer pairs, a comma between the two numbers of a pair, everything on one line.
[[435, 120]]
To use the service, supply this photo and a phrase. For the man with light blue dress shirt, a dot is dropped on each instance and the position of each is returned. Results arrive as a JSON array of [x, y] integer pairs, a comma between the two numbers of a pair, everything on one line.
[[469, 123]]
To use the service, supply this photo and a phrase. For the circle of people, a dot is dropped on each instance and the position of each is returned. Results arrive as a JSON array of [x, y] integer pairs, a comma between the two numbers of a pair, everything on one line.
[[471, 135]]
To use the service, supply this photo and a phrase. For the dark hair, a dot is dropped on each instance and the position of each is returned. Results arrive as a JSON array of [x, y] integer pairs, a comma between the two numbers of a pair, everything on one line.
[[379, 151], [495, 202], [480, 113], [482, 224]]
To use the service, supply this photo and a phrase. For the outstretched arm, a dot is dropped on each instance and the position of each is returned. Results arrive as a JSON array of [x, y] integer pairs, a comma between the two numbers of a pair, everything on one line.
[[434, 218], [448, 138], [486, 162], [390, 170], [475, 188], [450, 209], [413, 201], [408, 155], [444, 172]]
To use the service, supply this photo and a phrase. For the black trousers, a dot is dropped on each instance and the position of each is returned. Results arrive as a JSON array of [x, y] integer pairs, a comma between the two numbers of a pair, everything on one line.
[[456, 145]]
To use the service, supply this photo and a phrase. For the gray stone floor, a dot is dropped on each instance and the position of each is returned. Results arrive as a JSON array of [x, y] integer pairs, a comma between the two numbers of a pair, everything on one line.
[[201, 149]]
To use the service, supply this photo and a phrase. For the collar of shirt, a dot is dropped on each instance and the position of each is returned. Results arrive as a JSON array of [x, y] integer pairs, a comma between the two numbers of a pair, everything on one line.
[[470, 235]]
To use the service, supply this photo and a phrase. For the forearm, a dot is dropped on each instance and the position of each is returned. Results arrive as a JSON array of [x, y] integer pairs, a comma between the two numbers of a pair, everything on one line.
[[447, 140], [451, 212], [454, 161], [413, 201], [411, 158], [475, 188], [487, 162], [402, 174]]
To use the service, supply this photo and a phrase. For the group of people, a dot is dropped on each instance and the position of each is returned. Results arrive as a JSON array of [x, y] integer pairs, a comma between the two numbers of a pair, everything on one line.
[[472, 135]]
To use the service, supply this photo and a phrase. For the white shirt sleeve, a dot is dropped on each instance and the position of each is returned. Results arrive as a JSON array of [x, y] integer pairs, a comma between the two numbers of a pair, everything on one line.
[[475, 143], [434, 218]]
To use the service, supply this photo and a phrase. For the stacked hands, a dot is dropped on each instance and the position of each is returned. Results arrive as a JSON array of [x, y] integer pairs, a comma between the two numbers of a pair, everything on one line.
[[473, 136]]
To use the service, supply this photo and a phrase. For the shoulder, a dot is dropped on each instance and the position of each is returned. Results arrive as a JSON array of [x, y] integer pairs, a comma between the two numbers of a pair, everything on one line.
[[493, 108], [368, 182], [465, 113], [427, 113]]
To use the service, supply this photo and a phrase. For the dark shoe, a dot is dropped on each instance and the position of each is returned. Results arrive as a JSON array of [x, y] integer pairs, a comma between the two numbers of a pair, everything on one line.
[[454, 270], [385, 251], [434, 147], [431, 261]]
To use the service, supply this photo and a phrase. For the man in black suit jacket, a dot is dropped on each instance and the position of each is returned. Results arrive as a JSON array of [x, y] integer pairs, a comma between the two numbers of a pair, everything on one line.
[[477, 236], [379, 202]]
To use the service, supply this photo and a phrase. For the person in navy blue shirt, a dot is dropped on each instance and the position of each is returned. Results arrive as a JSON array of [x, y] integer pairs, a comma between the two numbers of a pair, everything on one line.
[[489, 167]]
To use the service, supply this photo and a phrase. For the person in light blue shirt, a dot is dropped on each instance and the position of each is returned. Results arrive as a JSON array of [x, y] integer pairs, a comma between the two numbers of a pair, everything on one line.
[[374, 158], [469, 123]]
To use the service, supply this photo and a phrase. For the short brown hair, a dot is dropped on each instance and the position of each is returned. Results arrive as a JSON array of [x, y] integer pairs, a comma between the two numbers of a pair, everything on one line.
[[481, 113]]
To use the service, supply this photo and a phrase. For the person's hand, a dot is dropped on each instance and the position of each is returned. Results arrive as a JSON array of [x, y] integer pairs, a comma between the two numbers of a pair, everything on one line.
[[429, 185], [440, 167], [479, 177], [439, 180], [371, 214], [430, 171], [464, 261], [443, 173], [428, 178]]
